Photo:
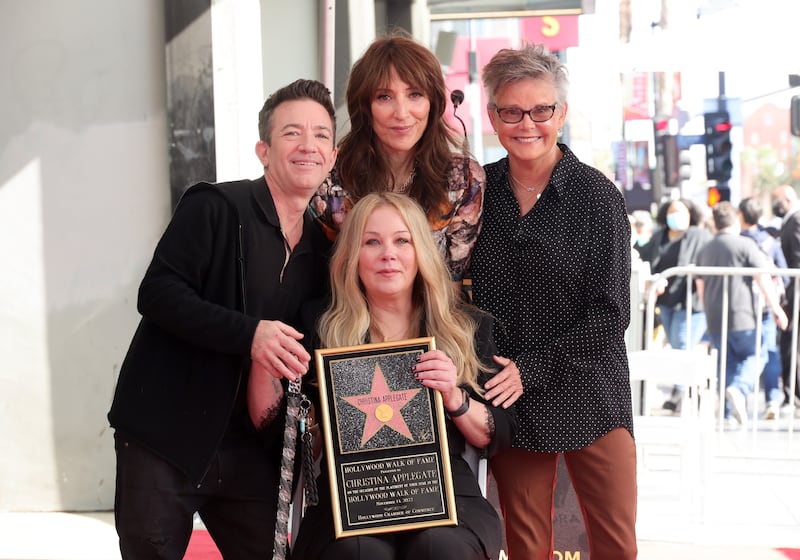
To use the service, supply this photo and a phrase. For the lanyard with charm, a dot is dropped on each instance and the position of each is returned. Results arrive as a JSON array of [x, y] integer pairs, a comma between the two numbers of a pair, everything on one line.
[[297, 415]]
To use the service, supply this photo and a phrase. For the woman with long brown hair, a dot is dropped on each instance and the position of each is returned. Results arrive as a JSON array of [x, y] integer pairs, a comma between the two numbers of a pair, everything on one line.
[[400, 141]]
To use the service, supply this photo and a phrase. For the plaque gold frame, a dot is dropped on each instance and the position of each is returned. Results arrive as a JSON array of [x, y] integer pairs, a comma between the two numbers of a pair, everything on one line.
[[385, 439]]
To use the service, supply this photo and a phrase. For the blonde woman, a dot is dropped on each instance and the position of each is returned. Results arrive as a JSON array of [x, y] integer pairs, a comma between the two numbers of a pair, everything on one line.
[[390, 283]]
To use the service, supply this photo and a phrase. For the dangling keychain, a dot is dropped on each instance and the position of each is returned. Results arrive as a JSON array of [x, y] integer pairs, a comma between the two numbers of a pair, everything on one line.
[[307, 438]]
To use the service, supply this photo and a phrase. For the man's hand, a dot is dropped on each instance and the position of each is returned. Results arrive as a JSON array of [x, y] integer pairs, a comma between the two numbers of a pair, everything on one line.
[[276, 348], [506, 387]]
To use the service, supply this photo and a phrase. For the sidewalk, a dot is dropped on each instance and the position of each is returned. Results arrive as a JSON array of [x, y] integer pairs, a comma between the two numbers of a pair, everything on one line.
[[91, 536], [748, 509]]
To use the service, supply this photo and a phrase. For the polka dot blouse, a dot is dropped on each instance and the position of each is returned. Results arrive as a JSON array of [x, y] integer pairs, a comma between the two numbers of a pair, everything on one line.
[[558, 280]]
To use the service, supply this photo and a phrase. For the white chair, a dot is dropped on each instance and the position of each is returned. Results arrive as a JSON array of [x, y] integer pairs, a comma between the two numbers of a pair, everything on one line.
[[680, 444], [695, 370]]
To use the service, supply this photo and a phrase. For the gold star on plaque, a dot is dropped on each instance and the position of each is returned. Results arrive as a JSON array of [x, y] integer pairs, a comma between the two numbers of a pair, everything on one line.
[[382, 407]]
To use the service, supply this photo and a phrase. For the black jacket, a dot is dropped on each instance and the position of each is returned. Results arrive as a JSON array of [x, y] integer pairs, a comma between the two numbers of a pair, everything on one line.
[[212, 278], [693, 240], [790, 244]]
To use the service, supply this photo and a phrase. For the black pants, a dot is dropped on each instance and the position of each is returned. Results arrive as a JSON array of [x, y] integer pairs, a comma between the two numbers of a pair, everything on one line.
[[786, 365], [155, 503], [440, 543], [316, 536]]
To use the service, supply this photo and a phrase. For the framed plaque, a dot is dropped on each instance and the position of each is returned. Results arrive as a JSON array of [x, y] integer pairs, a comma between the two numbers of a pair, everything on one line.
[[385, 439]]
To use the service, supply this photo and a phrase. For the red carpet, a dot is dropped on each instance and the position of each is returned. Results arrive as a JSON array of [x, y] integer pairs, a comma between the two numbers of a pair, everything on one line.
[[201, 547]]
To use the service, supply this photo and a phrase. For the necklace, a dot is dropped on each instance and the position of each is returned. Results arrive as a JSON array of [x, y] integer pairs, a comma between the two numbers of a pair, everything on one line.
[[531, 189], [385, 335], [404, 187]]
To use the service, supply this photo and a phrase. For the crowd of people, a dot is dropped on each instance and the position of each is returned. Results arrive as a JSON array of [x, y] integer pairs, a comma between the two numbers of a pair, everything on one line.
[[369, 240], [686, 233]]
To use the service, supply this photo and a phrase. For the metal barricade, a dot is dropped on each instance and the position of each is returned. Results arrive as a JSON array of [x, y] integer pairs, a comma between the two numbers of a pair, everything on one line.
[[727, 272]]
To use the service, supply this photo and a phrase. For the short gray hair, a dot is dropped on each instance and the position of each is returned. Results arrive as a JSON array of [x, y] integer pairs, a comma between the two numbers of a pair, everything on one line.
[[529, 61]]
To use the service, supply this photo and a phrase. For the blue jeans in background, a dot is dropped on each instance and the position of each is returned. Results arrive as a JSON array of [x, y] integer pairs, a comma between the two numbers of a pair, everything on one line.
[[674, 322], [742, 364]]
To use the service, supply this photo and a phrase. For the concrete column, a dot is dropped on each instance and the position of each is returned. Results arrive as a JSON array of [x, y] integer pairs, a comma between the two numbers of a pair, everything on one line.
[[84, 196]]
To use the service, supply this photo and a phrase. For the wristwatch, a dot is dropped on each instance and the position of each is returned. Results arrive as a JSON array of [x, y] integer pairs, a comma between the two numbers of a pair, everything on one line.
[[461, 410]]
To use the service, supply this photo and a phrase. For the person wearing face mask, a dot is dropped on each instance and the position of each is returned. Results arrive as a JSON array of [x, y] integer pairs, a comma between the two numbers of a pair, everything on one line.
[[677, 243], [785, 205]]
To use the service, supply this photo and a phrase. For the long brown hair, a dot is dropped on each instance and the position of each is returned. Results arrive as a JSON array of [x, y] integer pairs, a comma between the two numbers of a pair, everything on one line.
[[361, 166]]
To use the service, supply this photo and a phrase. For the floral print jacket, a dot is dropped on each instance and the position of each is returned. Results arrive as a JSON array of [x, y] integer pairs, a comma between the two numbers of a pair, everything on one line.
[[455, 225]]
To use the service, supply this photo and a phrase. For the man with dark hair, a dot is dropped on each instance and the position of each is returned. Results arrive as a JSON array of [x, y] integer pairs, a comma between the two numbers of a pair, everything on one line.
[[751, 212], [198, 403], [729, 249]]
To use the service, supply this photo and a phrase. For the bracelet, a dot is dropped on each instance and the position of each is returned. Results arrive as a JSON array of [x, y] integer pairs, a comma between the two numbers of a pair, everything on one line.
[[461, 410]]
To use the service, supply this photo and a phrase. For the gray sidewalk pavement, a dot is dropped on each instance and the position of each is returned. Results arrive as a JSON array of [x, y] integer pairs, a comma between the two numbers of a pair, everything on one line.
[[91, 536], [745, 506]]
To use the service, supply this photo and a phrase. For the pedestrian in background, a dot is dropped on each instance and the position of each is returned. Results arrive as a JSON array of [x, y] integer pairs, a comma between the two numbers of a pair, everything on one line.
[[786, 206], [552, 263], [751, 212], [642, 226], [730, 249], [676, 243], [221, 305]]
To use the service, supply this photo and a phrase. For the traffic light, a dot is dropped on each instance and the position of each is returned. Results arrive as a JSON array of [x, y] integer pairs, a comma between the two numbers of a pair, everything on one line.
[[717, 194], [718, 145], [795, 115]]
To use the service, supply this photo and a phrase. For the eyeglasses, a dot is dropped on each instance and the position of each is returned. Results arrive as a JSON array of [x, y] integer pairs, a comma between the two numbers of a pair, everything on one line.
[[513, 115]]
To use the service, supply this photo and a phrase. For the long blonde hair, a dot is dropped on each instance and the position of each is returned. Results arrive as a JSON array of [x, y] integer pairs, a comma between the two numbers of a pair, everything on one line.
[[346, 321]]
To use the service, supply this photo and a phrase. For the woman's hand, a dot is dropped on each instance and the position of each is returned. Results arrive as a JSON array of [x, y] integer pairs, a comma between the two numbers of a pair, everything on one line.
[[436, 370], [504, 388]]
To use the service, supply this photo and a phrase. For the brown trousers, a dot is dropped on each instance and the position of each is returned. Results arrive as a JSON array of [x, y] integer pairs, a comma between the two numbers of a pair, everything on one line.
[[604, 477]]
